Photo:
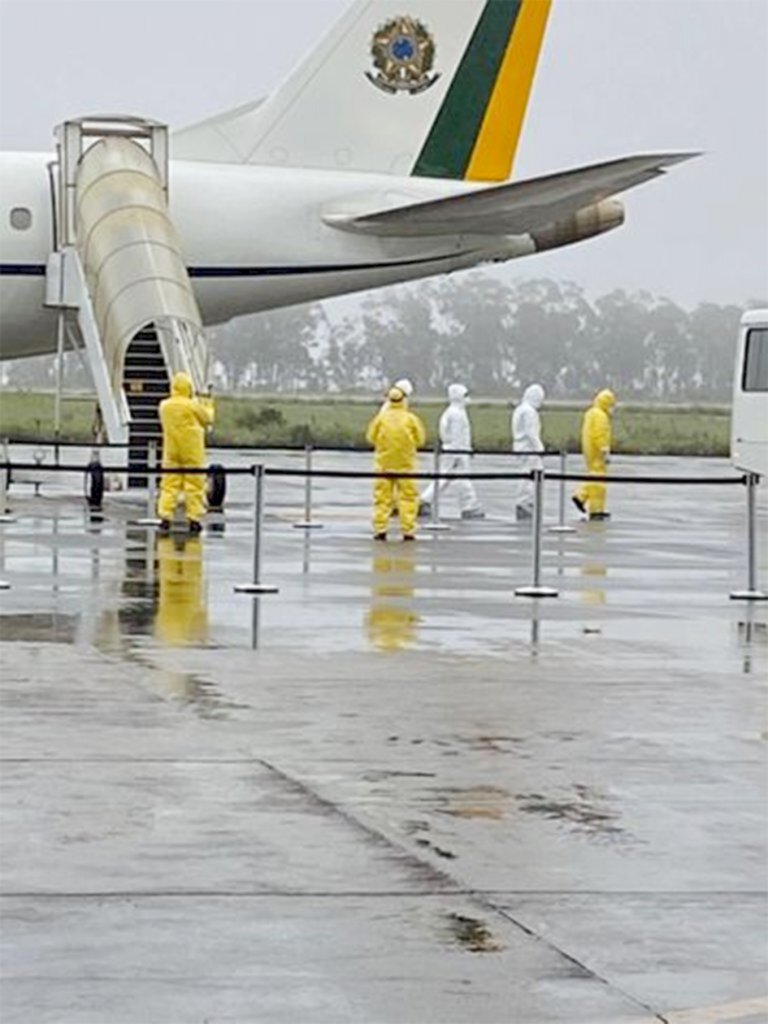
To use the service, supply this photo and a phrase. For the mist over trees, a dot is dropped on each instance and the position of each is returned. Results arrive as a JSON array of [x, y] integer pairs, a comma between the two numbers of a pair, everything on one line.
[[492, 335]]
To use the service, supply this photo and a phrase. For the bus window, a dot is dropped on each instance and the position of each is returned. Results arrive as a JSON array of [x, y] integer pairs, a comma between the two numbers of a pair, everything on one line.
[[755, 376]]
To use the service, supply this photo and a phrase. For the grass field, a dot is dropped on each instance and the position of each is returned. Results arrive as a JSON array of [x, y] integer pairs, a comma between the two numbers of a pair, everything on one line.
[[340, 422]]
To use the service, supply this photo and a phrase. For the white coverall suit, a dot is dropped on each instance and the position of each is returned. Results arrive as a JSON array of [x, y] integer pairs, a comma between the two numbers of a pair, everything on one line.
[[526, 437], [456, 436]]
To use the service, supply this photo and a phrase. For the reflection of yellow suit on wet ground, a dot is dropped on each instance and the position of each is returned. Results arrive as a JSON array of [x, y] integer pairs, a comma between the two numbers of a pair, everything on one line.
[[184, 420], [391, 623], [396, 435], [181, 616], [596, 447]]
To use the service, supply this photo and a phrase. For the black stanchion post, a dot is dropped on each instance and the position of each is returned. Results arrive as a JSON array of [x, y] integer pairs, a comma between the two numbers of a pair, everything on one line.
[[257, 587], [4, 515], [151, 478], [5, 480], [307, 523], [751, 593], [536, 589]]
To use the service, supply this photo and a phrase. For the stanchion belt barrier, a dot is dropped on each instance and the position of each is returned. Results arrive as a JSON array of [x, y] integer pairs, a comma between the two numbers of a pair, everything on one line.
[[347, 474], [291, 446]]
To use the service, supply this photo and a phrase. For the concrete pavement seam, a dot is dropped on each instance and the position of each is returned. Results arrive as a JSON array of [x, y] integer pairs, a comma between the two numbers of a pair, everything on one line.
[[473, 894], [571, 959]]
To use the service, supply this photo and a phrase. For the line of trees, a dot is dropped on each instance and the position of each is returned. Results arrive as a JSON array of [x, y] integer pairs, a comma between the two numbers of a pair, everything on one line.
[[492, 335]]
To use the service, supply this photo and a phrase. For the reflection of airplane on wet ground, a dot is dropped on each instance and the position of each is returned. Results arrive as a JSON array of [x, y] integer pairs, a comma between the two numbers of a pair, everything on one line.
[[384, 157]]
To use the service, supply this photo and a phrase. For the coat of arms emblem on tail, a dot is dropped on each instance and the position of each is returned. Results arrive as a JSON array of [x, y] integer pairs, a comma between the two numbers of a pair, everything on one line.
[[403, 54]]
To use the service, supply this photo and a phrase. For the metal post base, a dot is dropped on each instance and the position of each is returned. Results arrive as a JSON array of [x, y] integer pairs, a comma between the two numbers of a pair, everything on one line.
[[435, 527], [561, 529], [748, 595], [5, 585], [535, 592], [255, 588], [146, 522], [7, 518], [307, 526]]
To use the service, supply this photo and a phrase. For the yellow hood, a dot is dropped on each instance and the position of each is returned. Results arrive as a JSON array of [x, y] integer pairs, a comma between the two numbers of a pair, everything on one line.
[[181, 384], [605, 400]]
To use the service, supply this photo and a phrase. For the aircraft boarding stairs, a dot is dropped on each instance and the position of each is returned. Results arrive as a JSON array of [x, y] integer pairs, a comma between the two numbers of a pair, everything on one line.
[[117, 276], [145, 382]]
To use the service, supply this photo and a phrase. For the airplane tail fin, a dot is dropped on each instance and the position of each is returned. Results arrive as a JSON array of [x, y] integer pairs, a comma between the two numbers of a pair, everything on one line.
[[439, 92]]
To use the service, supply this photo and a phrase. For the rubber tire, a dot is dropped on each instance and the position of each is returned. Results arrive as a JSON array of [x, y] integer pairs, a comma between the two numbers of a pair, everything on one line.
[[216, 487], [94, 485]]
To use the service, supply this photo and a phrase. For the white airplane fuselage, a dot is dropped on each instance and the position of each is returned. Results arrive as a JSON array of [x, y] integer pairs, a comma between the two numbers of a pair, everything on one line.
[[253, 238]]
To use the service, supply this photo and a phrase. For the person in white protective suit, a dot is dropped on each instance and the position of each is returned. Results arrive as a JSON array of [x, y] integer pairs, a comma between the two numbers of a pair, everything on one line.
[[455, 437], [526, 437], [405, 386]]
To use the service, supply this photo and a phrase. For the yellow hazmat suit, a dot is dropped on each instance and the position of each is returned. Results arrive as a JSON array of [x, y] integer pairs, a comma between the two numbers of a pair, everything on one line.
[[596, 447], [184, 420], [396, 435]]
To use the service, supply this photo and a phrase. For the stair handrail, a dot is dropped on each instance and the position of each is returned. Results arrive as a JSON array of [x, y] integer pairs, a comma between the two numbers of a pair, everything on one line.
[[184, 347], [113, 404]]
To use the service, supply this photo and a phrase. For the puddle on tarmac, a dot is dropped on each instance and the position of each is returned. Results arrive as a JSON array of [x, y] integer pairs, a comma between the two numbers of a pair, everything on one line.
[[588, 813], [39, 627], [472, 934], [485, 802], [184, 688], [440, 851], [493, 744]]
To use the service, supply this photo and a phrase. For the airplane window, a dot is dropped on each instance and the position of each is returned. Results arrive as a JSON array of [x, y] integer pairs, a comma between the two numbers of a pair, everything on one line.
[[21, 218], [756, 361]]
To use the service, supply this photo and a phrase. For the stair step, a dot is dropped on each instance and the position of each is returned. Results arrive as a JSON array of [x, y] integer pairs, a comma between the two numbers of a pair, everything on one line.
[[147, 344], [150, 366], [141, 446], [149, 355], [152, 389], [145, 383], [141, 437], [145, 409], [143, 414], [144, 428], [154, 370]]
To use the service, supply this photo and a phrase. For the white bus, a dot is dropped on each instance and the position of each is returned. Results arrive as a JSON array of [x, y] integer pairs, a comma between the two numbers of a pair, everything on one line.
[[749, 416]]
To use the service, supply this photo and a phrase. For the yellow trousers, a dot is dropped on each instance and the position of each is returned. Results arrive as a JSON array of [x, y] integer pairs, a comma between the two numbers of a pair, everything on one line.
[[593, 494], [390, 493], [174, 485]]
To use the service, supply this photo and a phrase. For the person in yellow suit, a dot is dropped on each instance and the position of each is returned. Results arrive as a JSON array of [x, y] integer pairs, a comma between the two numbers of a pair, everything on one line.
[[596, 438], [396, 434], [184, 419]]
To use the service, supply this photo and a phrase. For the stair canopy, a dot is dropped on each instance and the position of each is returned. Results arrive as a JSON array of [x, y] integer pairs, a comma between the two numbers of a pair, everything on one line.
[[132, 260]]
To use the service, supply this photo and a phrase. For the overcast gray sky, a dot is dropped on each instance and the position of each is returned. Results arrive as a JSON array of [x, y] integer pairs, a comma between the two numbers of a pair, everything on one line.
[[615, 77]]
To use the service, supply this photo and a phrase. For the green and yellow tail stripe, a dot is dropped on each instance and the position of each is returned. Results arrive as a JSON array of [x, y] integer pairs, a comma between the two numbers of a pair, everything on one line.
[[477, 129], [496, 145]]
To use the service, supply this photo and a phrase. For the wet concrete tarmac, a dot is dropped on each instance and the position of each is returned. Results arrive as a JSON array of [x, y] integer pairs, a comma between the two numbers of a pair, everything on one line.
[[392, 792]]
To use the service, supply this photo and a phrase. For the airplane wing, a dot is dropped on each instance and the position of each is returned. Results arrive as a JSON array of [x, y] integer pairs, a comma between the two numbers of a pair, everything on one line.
[[511, 209]]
